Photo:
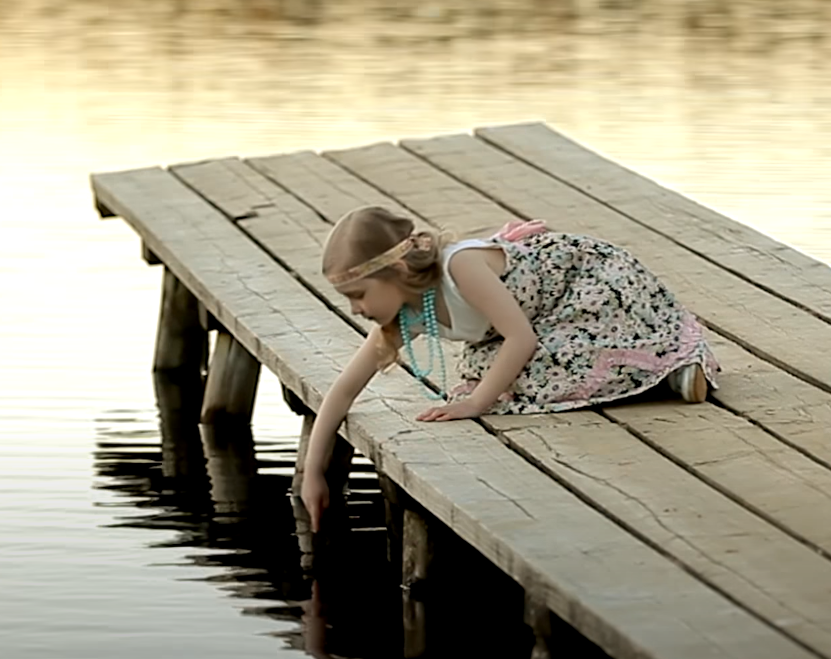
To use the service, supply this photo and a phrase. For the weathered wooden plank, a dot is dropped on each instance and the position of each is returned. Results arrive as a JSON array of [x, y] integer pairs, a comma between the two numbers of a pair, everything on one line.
[[769, 327], [739, 458], [799, 476], [307, 175], [430, 193], [289, 230], [795, 411], [618, 592], [730, 244], [790, 409], [333, 190], [266, 212], [727, 545]]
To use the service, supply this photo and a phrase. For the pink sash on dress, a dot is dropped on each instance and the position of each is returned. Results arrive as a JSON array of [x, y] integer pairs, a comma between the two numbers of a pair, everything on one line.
[[519, 229]]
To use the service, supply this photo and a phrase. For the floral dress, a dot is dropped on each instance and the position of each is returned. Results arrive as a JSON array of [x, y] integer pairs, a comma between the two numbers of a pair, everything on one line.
[[607, 327]]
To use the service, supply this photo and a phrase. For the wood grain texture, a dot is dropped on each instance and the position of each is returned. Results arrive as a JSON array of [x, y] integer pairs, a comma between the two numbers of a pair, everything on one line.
[[723, 543], [795, 411], [621, 594], [763, 323], [769, 481], [730, 244], [423, 189], [792, 410], [803, 479], [292, 231]]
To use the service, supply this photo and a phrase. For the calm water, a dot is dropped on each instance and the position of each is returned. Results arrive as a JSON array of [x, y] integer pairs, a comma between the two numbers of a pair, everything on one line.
[[98, 549]]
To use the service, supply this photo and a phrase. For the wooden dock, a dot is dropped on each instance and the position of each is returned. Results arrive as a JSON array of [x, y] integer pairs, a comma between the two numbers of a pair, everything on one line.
[[656, 529]]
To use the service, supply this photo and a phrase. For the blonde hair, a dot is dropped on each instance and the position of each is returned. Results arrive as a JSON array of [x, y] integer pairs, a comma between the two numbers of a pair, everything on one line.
[[365, 233]]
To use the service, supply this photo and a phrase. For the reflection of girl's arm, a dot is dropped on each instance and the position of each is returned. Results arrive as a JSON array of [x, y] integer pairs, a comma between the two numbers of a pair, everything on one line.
[[315, 625]]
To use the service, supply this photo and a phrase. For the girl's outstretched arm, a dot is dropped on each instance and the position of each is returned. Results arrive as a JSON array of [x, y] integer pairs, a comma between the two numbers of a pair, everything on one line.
[[482, 288], [336, 403]]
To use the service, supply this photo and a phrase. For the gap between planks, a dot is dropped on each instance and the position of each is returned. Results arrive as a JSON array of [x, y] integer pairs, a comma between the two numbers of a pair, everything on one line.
[[795, 277], [238, 270], [270, 166], [600, 508]]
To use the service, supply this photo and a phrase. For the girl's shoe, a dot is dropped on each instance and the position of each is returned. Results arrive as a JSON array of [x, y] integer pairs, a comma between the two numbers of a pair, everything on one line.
[[689, 382]]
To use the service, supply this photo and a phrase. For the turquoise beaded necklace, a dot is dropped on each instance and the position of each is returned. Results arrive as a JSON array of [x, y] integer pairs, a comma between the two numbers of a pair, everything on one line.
[[408, 317]]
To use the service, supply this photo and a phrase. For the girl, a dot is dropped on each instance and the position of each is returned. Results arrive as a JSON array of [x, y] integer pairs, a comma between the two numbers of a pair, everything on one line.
[[551, 322]]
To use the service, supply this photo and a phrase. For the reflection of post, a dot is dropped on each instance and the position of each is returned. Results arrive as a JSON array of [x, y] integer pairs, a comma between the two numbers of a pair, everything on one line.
[[314, 632], [232, 382], [180, 401], [417, 555], [232, 464], [181, 341]]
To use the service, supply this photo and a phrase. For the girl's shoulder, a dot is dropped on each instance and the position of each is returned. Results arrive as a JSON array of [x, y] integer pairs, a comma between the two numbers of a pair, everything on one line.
[[452, 248]]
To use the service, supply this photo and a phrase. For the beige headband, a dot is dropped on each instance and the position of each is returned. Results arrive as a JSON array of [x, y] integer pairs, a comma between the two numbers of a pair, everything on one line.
[[372, 266]]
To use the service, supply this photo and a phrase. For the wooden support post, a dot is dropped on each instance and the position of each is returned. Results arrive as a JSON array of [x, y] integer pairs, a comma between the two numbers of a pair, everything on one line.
[[231, 464], [232, 383], [181, 342], [417, 556], [538, 618]]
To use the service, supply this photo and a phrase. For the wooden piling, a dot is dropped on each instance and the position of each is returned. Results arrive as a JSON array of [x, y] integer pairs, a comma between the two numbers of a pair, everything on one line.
[[232, 382], [181, 341], [416, 559]]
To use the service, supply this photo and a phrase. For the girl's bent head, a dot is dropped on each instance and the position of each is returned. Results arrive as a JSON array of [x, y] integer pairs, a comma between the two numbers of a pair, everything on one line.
[[372, 242], [377, 260]]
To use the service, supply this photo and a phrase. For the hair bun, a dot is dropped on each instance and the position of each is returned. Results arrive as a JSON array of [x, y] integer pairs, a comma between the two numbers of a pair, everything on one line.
[[423, 241]]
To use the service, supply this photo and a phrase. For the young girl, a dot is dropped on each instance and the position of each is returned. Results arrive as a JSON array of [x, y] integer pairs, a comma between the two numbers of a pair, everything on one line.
[[550, 321]]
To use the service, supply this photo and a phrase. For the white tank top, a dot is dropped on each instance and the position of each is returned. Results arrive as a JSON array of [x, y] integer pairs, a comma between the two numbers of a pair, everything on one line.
[[467, 324]]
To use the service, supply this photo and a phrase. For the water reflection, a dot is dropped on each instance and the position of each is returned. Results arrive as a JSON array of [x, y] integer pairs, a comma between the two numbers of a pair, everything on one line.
[[232, 503], [727, 102], [242, 516]]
